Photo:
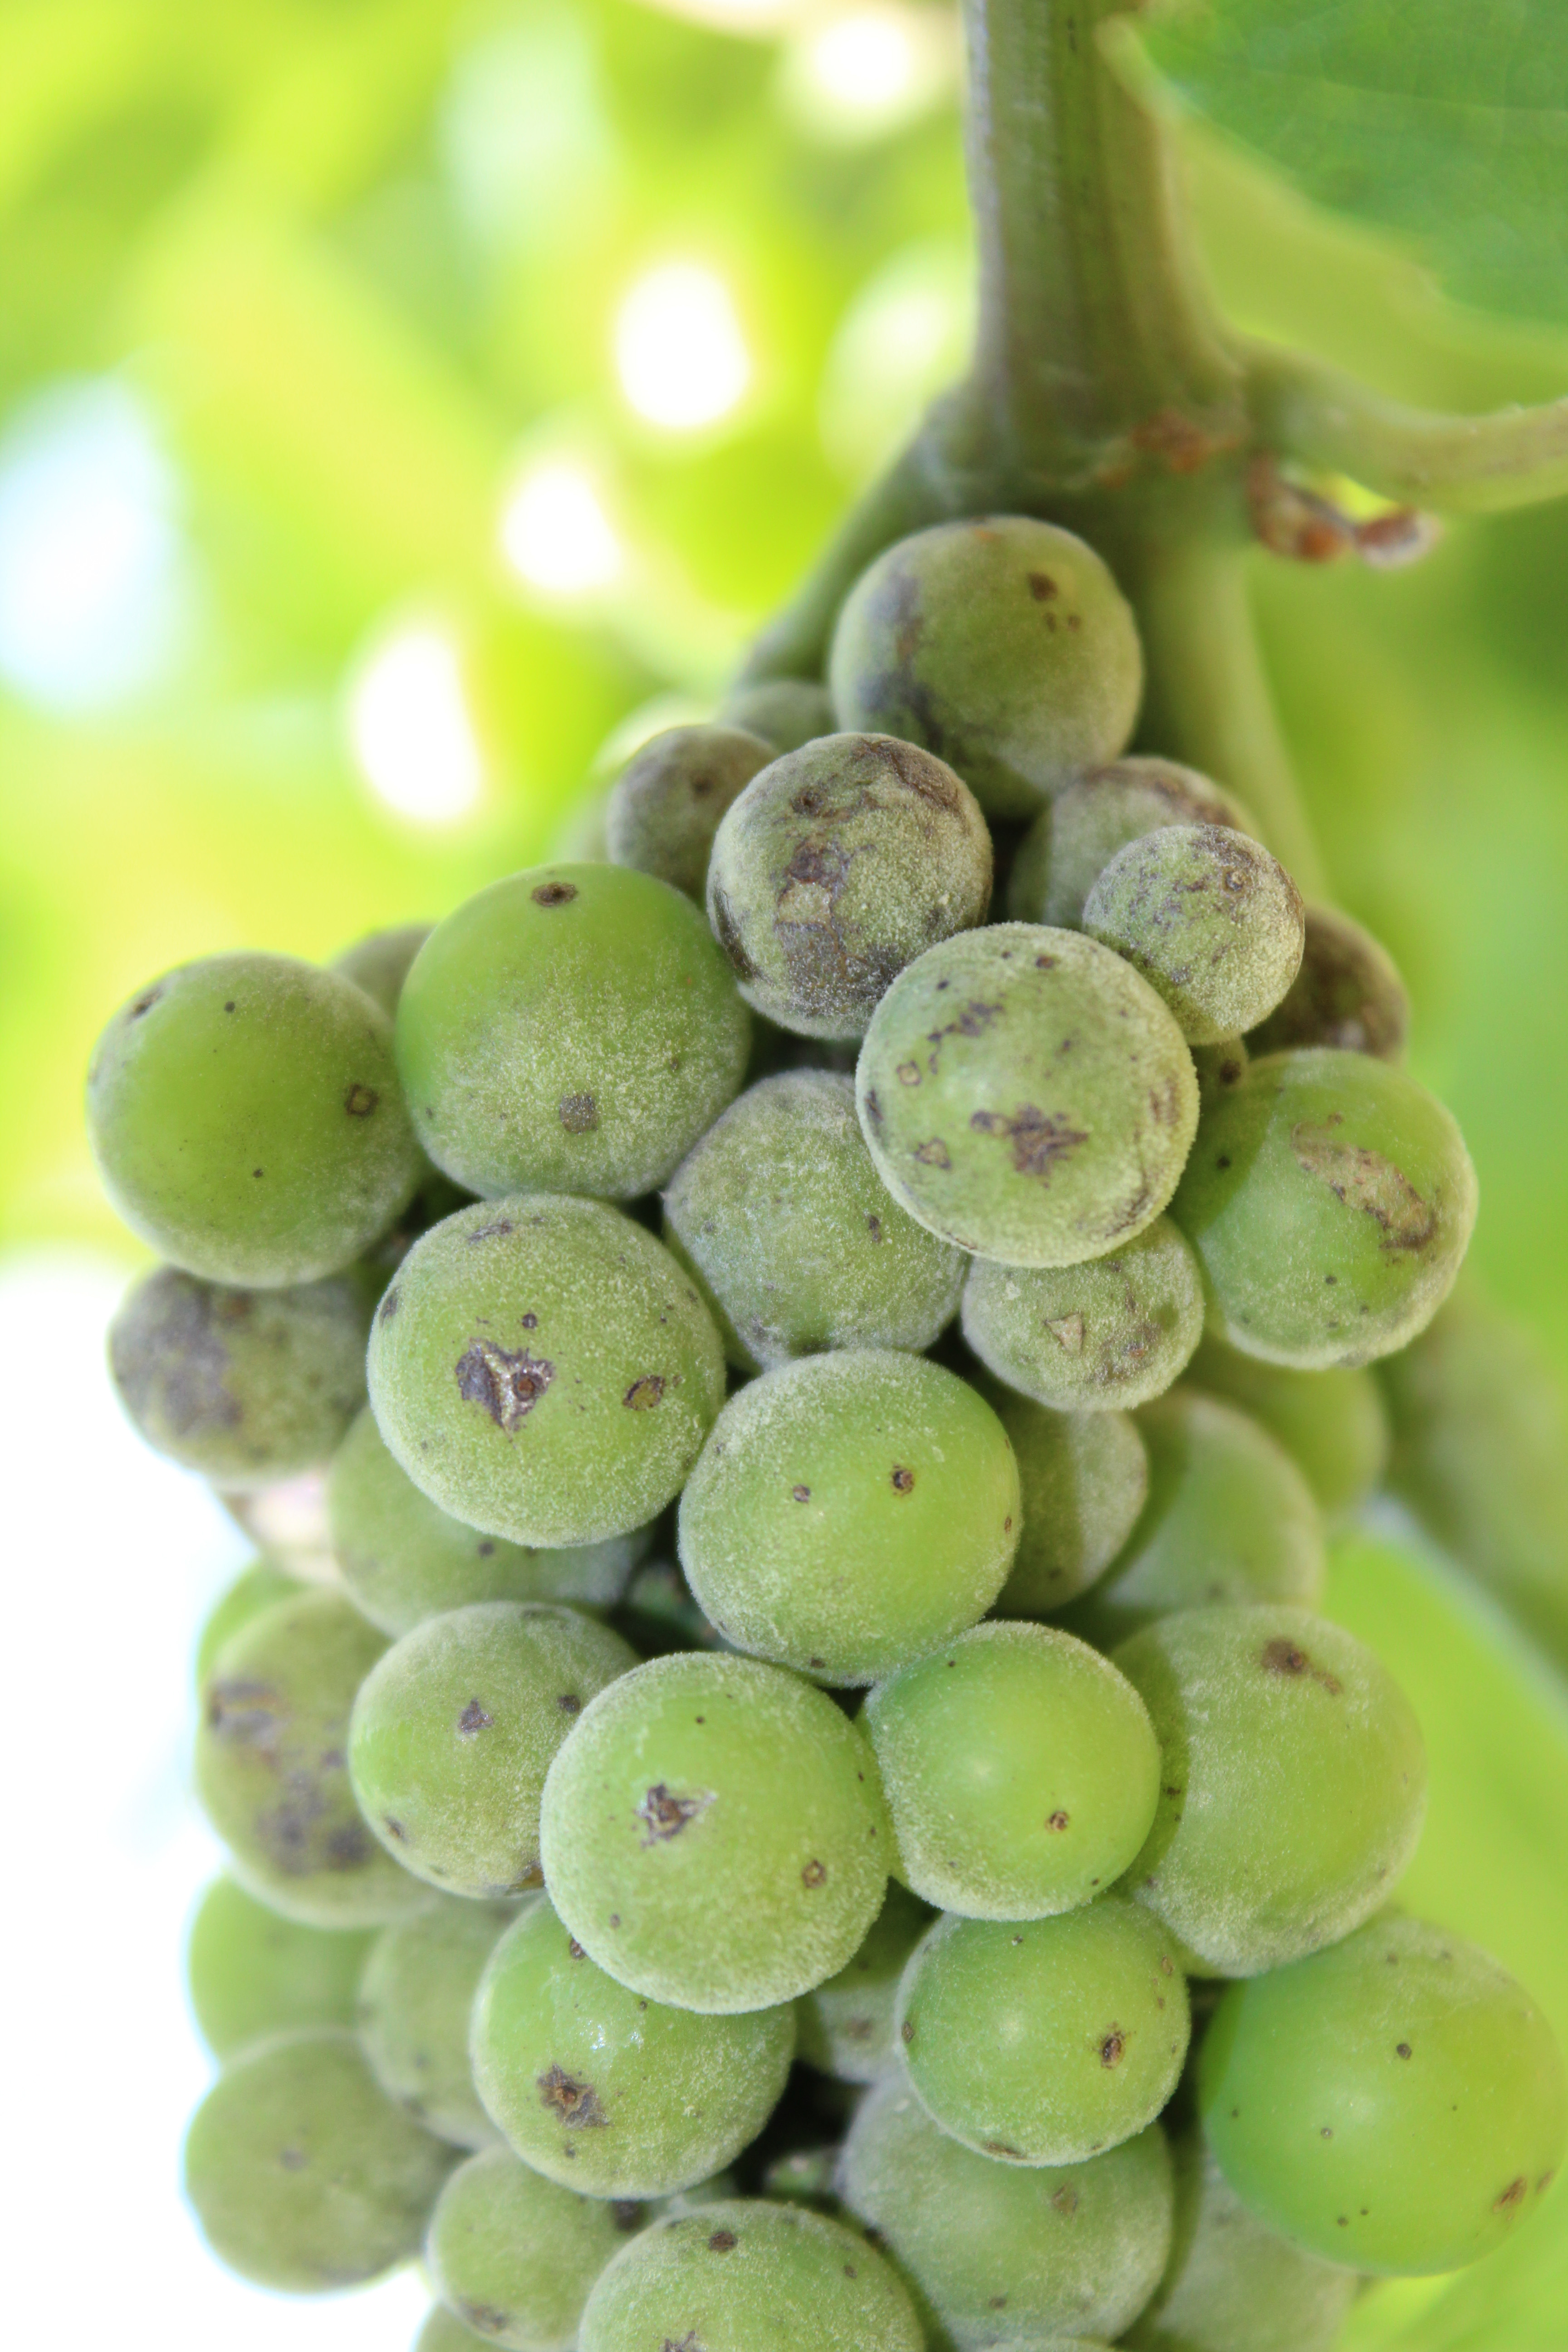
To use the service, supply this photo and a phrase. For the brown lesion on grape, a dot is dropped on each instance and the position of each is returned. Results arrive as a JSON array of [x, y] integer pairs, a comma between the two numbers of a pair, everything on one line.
[[904, 1481], [934, 1153], [360, 1100], [483, 2318], [727, 931], [973, 1021], [394, 1828], [508, 1382], [1113, 2047], [1283, 1657], [815, 1874], [1364, 1180], [646, 1392], [1067, 1331], [627, 2214], [474, 1719], [722, 2241], [688, 2343], [1038, 1138], [554, 894], [1516, 2193], [1004, 2148], [495, 1231], [1057, 1820], [577, 2104], [579, 1114], [389, 1304], [664, 1815], [247, 1714]]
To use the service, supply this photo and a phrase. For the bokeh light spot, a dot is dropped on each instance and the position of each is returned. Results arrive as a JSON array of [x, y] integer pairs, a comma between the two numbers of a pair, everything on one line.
[[412, 730], [554, 532], [680, 352]]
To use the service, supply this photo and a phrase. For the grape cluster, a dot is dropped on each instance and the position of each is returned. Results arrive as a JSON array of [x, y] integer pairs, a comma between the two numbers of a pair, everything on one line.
[[954, 1906]]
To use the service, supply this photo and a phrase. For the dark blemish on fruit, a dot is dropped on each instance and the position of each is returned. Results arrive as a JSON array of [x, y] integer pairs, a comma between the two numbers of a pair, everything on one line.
[[1326, 2131], [874, 1228], [1057, 1820], [508, 1382], [1042, 587], [569, 1703], [576, 2104], [1007, 1529], [1223, 1161], [579, 1114], [873, 1107], [555, 894], [614, 1918], [643, 1394], [1039, 1139], [1067, 1331], [530, 1874], [1282, 1656], [360, 1101], [1064, 2201], [1171, 1792], [474, 1718], [484, 2318], [395, 1828], [349, 1847], [904, 1481], [722, 2241], [860, 2029], [664, 1816], [1049, 964], [813, 1662], [574, 1949], [1514, 2194], [258, 1171], [293, 2159], [688, 2343], [1114, 2048], [485, 1549], [250, 1714], [503, 1225], [1342, 2222], [1402, 2049], [728, 933], [1365, 1180], [814, 1875], [530, 1322], [907, 1074], [627, 2214], [933, 1154], [143, 1006], [1001, 2147]]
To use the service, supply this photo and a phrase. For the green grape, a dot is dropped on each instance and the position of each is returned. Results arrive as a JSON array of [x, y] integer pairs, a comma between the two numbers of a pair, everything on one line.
[[713, 1833], [1047, 2042], [1076, 835], [1293, 1782], [1220, 1068], [514, 2256], [252, 1973], [543, 1371], [256, 1588], [1211, 920], [1232, 2284], [572, 1029], [1333, 1424], [837, 865], [658, 1613], [444, 2332], [1020, 1770], [379, 963], [666, 802], [846, 2024], [1229, 1517], [1111, 1331], [247, 1121], [1002, 645], [804, 2176], [1083, 1477], [304, 2175], [749, 2276], [849, 1512], [1397, 2103], [1001, 2253], [608, 2093], [787, 1227], [249, 1387], [1347, 993], [454, 1729], [415, 1996], [1330, 1199], [988, 1135], [403, 1558], [784, 712], [270, 1766]]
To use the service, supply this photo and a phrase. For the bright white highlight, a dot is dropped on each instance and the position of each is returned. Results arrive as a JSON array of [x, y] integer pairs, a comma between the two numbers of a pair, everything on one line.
[[555, 534], [411, 729], [865, 62], [679, 351], [865, 72]]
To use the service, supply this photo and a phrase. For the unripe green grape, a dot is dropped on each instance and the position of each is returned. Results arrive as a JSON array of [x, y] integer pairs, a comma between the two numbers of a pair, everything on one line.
[[1002, 645], [846, 2024], [543, 1371], [1047, 2042], [1112, 1332], [514, 2256], [1027, 1096], [1293, 1782], [1220, 1068], [782, 1217], [1020, 1770], [379, 962], [249, 1387], [748, 2276], [415, 1998], [713, 1833], [1212, 922], [256, 1588], [444, 2332], [271, 1769], [304, 2175], [403, 1558], [454, 1729], [804, 2177], [998, 2252], [666, 802], [1347, 993], [1076, 835], [251, 1973], [607, 2091], [838, 865], [1334, 1424], [784, 712], [1330, 1199], [572, 1029], [1232, 2284], [1083, 1477], [849, 1512], [247, 1120], [1397, 2104], [1229, 1517], [658, 1613]]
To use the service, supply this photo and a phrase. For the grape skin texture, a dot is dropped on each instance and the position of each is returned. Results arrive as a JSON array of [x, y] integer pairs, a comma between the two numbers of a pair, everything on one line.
[[784, 712], [1002, 645], [270, 1771], [454, 1729], [1076, 835], [1333, 1424], [666, 803], [256, 1588], [1330, 1199], [252, 1973], [849, 1512], [1397, 2103], [1047, 2042], [982, 1130], [249, 1387], [846, 2024], [444, 2333], [611, 2095], [784, 1223], [1113, 1331], [403, 1558], [1293, 1782], [247, 1121], [543, 1371], [1347, 993], [749, 2276], [1083, 1477], [994, 2252], [1020, 1770], [713, 1833], [415, 1995], [1212, 922], [572, 1029], [514, 2256], [304, 2175], [379, 963]]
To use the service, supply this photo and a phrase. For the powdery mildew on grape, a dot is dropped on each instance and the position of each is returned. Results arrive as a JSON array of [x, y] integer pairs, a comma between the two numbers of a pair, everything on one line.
[[1077, 834], [1212, 922], [1347, 993], [846, 2024], [415, 1999], [668, 803], [514, 2256], [1334, 1424], [1114, 1331], [1083, 1477]]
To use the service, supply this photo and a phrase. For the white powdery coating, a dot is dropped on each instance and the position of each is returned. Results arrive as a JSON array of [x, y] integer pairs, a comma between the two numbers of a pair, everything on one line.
[[415, 1992], [994, 2249], [846, 2024], [666, 803], [1232, 2281], [1083, 1477], [1214, 923], [781, 1211], [1075, 837], [1114, 1331]]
